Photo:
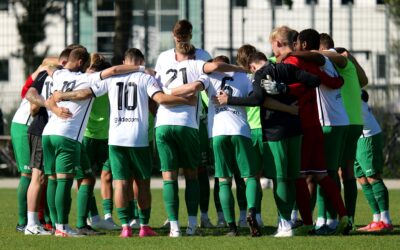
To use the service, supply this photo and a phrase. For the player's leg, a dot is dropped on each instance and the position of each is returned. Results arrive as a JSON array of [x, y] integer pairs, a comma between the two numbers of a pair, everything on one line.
[[248, 170], [217, 202], [167, 152], [142, 172], [224, 161], [35, 188], [257, 143], [241, 197], [20, 142]]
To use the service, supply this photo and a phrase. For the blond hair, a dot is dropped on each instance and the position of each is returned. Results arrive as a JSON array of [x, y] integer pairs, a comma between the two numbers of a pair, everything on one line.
[[281, 34]]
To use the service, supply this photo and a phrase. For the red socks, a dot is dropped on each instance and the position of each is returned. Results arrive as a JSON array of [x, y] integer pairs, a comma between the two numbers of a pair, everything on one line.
[[332, 193], [303, 200]]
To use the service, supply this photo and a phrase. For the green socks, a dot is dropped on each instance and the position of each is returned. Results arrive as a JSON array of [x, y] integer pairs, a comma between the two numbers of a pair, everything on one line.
[[144, 216], [22, 199], [63, 199], [192, 197], [85, 193], [285, 196], [369, 196], [123, 215], [381, 195], [226, 198], [51, 199], [204, 185], [107, 206], [171, 199], [251, 192], [350, 197], [135, 210]]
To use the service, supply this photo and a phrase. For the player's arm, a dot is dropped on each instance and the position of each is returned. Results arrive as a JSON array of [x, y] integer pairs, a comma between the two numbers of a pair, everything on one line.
[[362, 77], [61, 112], [34, 97], [336, 58], [274, 104], [172, 100], [120, 70], [188, 89], [76, 95], [210, 67], [308, 56], [34, 109]]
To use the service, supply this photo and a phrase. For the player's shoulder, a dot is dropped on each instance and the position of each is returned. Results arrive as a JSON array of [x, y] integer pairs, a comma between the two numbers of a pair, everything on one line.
[[166, 54], [202, 55]]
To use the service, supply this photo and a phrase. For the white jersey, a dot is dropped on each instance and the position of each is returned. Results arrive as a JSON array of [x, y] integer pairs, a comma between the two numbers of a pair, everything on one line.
[[331, 109], [227, 119], [183, 115], [129, 107], [371, 126], [74, 127], [47, 91], [23, 113]]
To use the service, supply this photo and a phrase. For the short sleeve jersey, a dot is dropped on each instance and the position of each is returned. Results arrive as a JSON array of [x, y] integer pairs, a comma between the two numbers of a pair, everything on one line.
[[351, 91], [23, 113], [371, 126], [43, 84], [73, 128], [183, 115], [97, 127], [331, 110], [228, 119], [129, 107]]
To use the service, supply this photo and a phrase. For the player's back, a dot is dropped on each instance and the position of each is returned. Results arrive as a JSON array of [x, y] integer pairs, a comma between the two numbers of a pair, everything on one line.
[[227, 119], [129, 97], [65, 81]]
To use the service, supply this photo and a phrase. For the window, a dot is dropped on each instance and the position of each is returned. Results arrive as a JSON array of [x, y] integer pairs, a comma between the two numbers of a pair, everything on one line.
[[3, 4], [168, 22], [105, 23], [308, 2], [278, 2], [105, 44], [105, 5], [241, 3], [4, 69], [380, 1], [381, 65], [139, 4], [345, 2], [169, 4]]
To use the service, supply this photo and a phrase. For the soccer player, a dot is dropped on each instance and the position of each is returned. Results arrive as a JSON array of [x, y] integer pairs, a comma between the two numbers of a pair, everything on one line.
[[129, 152], [354, 78], [182, 32], [36, 95], [281, 134], [20, 141], [368, 168], [312, 154]]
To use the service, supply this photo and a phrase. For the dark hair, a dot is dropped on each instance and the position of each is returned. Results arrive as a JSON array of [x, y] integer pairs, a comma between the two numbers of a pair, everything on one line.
[[65, 54], [364, 95], [292, 37], [243, 54], [326, 40], [221, 58], [256, 57], [182, 28], [134, 55], [98, 62], [80, 54], [311, 37]]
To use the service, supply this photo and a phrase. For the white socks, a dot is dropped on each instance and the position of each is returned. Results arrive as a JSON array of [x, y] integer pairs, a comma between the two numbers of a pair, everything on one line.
[[376, 218], [385, 217], [33, 219]]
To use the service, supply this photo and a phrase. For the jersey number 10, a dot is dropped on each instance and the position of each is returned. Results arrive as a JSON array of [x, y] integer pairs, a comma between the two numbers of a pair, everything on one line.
[[127, 95]]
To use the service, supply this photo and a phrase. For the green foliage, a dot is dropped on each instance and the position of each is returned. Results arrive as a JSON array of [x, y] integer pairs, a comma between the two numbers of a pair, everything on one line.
[[31, 24], [394, 11]]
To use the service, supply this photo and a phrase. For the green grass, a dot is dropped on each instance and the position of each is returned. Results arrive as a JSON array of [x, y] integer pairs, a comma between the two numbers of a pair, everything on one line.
[[210, 239]]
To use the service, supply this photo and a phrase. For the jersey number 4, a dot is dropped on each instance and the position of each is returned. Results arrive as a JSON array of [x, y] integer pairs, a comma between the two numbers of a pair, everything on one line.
[[127, 95]]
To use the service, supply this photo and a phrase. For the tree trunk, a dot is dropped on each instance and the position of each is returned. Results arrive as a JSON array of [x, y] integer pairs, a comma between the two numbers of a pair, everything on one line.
[[123, 29]]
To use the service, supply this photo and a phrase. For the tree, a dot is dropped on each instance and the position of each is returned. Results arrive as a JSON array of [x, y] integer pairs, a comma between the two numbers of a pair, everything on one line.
[[31, 26], [123, 29], [394, 11]]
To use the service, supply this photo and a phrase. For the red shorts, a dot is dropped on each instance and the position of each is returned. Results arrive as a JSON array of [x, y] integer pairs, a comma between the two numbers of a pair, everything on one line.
[[312, 151]]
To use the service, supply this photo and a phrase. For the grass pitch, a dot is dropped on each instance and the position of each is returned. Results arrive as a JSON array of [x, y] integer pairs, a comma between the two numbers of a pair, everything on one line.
[[209, 239]]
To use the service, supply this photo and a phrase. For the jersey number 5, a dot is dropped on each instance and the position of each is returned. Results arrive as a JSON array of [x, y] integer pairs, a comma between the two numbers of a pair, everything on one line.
[[127, 94]]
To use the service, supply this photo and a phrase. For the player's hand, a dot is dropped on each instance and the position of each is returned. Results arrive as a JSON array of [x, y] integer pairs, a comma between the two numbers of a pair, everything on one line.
[[62, 112], [272, 87], [57, 96], [221, 98]]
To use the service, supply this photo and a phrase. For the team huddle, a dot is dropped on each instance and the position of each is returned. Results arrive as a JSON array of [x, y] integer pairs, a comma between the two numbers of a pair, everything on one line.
[[299, 118]]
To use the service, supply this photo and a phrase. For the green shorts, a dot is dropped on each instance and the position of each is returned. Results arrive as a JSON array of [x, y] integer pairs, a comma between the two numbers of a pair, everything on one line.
[[61, 155], [257, 140], [130, 162], [351, 138], [20, 142], [97, 153], [334, 144], [234, 154], [282, 158], [205, 149], [178, 147], [369, 156], [84, 170]]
